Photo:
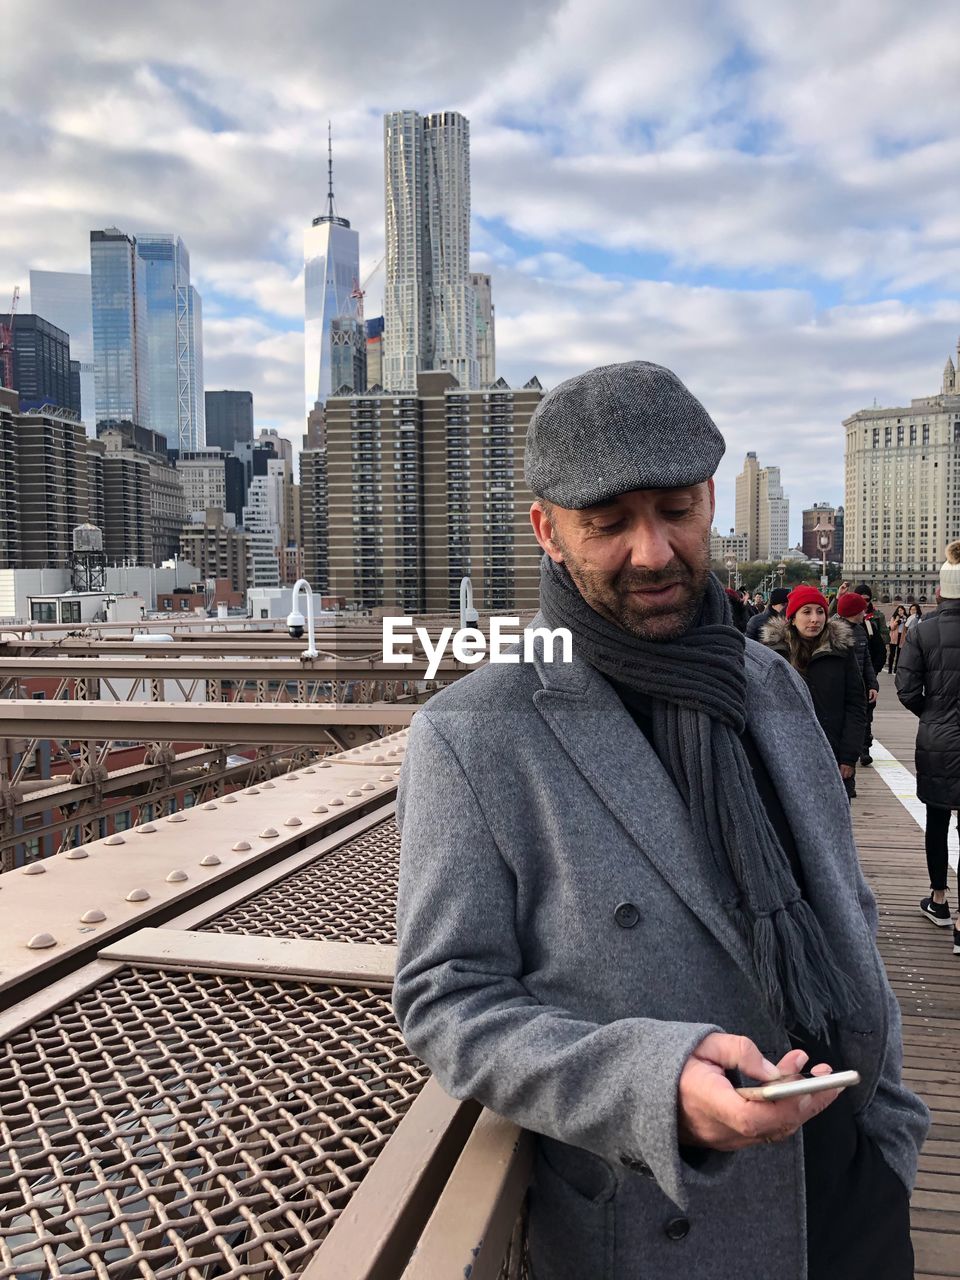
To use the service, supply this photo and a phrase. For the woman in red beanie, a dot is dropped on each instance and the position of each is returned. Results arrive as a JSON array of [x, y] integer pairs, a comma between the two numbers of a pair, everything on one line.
[[822, 652]]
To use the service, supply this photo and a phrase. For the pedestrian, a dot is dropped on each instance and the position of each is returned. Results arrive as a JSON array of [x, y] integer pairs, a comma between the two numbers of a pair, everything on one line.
[[627, 877], [898, 630], [914, 614], [758, 602], [821, 650], [875, 624], [842, 590], [928, 684], [852, 608], [739, 610], [746, 602], [778, 603]]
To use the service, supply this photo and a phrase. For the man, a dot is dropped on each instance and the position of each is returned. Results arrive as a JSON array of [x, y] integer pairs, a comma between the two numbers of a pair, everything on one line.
[[776, 608], [597, 936], [878, 639]]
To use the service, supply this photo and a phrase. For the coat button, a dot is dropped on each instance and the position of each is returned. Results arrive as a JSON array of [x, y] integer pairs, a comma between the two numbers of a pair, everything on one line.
[[626, 915], [677, 1228]]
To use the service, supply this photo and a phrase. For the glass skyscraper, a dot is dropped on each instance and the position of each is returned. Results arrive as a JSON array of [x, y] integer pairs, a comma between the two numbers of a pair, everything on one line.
[[175, 341], [430, 305], [120, 347], [63, 298], [331, 252]]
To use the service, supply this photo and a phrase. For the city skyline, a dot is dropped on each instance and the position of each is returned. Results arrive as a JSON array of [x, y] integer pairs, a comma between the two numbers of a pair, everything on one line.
[[729, 196]]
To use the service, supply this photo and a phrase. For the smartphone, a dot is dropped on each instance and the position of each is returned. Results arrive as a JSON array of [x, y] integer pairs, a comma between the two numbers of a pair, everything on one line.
[[795, 1086]]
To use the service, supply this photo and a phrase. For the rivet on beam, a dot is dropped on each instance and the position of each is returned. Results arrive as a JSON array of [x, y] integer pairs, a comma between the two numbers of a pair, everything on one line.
[[94, 916], [269, 833], [115, 839], [34, 869], [74, 854], [41, 940], [229, 800], [176, 876], [336, 800], [242, 846], [210, 860], [147, 829], [354, 791], [268, 786], [177, 817], [293, 822], [137, 895], [208, 807], [321, 808]]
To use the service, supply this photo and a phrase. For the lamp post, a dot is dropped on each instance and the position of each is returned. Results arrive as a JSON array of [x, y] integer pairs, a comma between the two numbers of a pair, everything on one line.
[[824, 542], [731, 563], [295, 618], [468, 614], [781, 570]]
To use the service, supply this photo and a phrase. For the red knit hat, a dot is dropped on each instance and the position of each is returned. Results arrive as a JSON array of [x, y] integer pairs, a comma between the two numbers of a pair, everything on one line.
[[850, 604], [800, 596]]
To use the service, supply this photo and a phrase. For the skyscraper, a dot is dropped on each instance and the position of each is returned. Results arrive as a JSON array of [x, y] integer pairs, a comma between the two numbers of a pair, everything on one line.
[[902, 502], [175, 341], [762, 510], [42, 373], [430, 305], [331, 253], [485, 327], [229, 418], [120, 345], [63, 298]]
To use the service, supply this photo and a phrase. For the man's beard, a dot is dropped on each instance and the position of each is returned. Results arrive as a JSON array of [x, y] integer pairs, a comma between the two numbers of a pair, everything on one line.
[[611, 598]]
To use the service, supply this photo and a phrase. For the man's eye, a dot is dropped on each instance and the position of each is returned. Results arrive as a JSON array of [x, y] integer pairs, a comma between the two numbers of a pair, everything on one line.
[[677, 513], [608, 528]]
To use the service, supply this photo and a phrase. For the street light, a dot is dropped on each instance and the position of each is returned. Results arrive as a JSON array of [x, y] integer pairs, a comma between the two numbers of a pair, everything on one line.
[[824, 542], [295, 618], [781, 570], [731, 563]]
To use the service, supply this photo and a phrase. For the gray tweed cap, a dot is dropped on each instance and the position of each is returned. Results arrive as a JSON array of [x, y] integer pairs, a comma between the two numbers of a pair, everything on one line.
[[618, 428]]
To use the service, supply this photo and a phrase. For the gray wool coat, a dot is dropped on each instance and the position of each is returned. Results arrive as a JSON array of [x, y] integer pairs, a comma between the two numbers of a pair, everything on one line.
[[561, 952]]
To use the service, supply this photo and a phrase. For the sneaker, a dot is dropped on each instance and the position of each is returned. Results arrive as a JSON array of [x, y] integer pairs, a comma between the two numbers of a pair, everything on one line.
[[938, 912], [866, 759], [956, 942]]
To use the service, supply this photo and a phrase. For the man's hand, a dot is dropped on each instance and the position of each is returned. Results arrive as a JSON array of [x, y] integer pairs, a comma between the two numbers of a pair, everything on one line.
[[712, 1113], [847, 770], [871, 695]]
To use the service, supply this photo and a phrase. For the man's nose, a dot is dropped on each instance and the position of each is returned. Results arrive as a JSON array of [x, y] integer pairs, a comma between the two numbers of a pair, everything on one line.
[[650, 546]]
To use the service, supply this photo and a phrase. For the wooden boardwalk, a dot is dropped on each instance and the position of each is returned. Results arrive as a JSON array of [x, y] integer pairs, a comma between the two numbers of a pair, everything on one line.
[[926, 977]]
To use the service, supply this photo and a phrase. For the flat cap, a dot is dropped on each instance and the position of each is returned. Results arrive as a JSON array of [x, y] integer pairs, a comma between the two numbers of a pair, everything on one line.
[[615, 429]]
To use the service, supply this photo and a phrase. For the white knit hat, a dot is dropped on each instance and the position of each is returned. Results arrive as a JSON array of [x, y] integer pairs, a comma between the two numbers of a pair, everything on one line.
[[950, 573]]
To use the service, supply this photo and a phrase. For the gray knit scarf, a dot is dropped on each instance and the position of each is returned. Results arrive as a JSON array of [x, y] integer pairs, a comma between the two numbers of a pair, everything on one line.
[[698, 689]]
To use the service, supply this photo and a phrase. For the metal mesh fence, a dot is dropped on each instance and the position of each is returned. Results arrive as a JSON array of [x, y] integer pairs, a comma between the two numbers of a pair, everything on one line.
[[348, 895], [168, 1125]]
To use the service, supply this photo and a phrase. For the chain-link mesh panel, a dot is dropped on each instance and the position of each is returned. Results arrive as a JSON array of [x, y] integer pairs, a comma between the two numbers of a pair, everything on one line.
[[169, 1125], [347, 895]]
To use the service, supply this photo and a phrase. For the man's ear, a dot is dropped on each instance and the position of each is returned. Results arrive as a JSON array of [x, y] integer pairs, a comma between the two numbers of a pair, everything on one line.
[[711, 488], [543, 531]]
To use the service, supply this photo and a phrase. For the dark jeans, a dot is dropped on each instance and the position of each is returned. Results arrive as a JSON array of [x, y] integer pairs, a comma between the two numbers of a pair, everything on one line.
[[868, 729], [893, 657], [935, 842]]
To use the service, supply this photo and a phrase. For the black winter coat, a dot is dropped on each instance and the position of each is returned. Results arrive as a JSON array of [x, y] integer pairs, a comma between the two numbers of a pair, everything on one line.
[[759, 621], [835, 683], [928, 684], [861, 647]]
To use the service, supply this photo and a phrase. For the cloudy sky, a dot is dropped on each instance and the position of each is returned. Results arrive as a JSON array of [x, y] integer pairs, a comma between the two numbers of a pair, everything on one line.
[[762, 196]]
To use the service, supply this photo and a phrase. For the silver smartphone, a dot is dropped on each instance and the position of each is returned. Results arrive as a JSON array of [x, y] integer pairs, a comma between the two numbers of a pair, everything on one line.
[[796, 1086]]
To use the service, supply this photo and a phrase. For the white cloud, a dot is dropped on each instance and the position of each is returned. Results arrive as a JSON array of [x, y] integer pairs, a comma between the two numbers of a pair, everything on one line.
[[788, 156]]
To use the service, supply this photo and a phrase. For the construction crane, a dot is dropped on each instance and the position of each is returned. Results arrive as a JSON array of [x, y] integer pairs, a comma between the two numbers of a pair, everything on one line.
[[360, 290], [6, 341]]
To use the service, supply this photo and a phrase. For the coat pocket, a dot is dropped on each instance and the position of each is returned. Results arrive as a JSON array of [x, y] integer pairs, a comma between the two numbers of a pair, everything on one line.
[[571, 1231]]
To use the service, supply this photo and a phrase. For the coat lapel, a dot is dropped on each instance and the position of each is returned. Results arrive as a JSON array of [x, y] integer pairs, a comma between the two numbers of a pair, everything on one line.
[[597, 732]]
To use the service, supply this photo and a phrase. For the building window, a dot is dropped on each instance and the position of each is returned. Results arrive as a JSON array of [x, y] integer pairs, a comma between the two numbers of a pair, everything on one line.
[[70, 611], [899, 437], [876, 437], [887, 437], [43, 611], [926, 433], [913, 435]]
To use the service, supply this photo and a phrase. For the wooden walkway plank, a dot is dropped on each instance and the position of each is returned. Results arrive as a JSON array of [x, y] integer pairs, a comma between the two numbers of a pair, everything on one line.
[[925, 976]]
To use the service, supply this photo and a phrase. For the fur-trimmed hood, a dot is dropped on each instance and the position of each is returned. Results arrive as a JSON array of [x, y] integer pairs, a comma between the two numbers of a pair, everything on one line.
[[836, 637]]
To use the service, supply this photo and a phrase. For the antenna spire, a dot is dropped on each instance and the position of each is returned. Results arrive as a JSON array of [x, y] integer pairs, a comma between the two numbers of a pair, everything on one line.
[[331, 213]]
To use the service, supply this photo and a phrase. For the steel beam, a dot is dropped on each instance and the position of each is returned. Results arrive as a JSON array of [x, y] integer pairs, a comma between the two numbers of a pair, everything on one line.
[[231, 722]]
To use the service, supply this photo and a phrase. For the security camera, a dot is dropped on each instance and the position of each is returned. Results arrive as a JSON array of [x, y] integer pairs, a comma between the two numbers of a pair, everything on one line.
[[296, 624]]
